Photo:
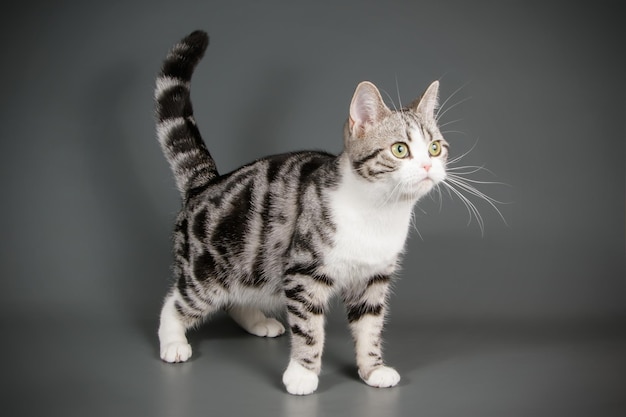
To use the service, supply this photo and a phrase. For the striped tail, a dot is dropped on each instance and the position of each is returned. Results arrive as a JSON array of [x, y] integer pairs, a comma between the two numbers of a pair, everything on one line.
[[177, 132]]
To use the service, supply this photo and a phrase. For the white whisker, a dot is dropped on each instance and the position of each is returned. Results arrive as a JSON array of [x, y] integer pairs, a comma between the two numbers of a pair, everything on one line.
[[463, 155], [473, 191], [449, 123], [398, 91], [445, 132], [391, 194], [471, 169], [451, 107], [457, 177], [437, 116], [471, 208], [390, 99]]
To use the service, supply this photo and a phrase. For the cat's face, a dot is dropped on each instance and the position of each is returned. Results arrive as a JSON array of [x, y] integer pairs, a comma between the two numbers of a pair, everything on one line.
[[402, 152]]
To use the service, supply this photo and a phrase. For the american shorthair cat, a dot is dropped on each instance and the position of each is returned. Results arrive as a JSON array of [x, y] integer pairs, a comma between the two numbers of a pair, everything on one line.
[[285, 233]]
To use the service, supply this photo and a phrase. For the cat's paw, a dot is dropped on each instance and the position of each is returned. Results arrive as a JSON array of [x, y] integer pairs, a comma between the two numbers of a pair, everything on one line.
[[268, 327], [383, 377], [175, 352], [298, 380]]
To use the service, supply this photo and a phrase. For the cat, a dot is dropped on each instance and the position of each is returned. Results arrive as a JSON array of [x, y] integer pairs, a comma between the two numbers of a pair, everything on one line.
[[287, 232]]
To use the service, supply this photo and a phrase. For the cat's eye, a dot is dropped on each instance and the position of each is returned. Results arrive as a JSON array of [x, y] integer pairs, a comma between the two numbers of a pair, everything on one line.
[[400, 150], [434, 149]]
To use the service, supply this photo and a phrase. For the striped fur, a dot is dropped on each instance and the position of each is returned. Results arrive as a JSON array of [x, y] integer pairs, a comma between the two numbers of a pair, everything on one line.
[[287, 232]]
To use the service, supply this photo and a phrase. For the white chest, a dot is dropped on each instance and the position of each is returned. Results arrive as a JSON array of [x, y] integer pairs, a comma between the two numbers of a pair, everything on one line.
[[367, 240]]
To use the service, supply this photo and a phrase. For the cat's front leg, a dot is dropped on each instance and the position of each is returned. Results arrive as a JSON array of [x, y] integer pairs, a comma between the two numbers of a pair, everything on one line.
[[306, 299], [366, 306]]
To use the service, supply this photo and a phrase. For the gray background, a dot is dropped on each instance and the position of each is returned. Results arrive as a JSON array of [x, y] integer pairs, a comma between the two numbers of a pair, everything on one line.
[[528, 319]]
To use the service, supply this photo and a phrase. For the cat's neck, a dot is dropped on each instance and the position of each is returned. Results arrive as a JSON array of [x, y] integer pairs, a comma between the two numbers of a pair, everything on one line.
[[368, 196]]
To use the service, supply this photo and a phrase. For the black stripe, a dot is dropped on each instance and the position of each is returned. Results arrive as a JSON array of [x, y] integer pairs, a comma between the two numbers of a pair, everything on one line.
[[204, 267], [358, 165], [230, 232], [374, 173], [306, 169], [378, 279], [196, 191], [355, 312], [181, 232], [174, 102], [308, 339], [184, 137], [199, 225], [276, 162], [183, 290], [408, 133], [294, 310], [232, 180], [310, 270], [295, 294], [393, 167], [188, 311], [258, 275], [303, 241], [325, 215]]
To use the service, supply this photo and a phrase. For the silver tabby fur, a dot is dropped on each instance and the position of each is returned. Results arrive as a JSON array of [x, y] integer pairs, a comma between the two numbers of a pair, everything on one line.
[[287, 232]]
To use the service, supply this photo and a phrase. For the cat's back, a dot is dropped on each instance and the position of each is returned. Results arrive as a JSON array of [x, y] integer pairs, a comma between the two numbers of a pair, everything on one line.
[[276, 176]]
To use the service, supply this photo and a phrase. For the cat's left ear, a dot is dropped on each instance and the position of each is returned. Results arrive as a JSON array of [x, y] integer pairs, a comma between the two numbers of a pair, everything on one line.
[[429, 101], [367, 107]]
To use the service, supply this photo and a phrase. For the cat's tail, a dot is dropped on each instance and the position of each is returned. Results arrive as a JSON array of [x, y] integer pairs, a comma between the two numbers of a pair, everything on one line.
[[180, 139]]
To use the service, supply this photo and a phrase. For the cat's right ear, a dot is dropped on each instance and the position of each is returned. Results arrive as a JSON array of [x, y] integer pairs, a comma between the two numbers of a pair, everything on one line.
[[367, 107]]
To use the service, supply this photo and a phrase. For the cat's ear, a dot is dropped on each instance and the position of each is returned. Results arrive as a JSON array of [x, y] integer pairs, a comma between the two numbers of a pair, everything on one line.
[[367, 107], [429, 101]]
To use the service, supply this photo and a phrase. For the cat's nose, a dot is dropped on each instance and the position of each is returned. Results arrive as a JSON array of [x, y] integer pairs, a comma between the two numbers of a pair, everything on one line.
[[427, 167]]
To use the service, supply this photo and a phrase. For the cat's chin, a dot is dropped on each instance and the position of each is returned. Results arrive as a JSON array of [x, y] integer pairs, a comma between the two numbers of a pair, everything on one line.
[[419, 189]]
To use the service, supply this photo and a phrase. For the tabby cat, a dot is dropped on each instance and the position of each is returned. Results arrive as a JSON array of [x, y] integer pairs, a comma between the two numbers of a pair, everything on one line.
[[287, 232]]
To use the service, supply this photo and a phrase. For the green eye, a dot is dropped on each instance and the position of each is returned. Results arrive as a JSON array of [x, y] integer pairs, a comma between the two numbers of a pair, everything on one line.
[[434, 149], [400, 150]]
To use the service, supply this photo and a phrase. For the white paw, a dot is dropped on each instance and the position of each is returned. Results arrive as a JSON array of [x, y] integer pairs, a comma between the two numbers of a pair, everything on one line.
[[383, 377], [267, 328], [175, 352], [298, 380]]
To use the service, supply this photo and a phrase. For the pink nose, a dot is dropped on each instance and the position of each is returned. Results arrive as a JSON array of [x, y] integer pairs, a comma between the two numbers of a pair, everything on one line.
[[426, 167]]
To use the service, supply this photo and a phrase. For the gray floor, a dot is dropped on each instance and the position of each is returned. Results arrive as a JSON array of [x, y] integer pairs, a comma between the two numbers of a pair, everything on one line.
[[79, 368]]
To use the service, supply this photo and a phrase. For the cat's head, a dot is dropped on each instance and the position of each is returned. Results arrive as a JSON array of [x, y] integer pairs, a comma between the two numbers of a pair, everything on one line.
[[401, 151]]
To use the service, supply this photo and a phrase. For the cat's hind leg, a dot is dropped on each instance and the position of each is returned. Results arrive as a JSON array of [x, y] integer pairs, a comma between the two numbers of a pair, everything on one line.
[[255, 322], [176, 317]]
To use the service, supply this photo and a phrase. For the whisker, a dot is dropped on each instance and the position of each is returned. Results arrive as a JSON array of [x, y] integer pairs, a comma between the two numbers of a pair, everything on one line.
[[451, 107], [472, 169], [413, 223], [458, 177], [448, 99], [445, 132], [471, 208], [469, 188], [390, 99], [440, 199], [475, 192], [463, 155], [449, 123], [398, 90], [391, 194]]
